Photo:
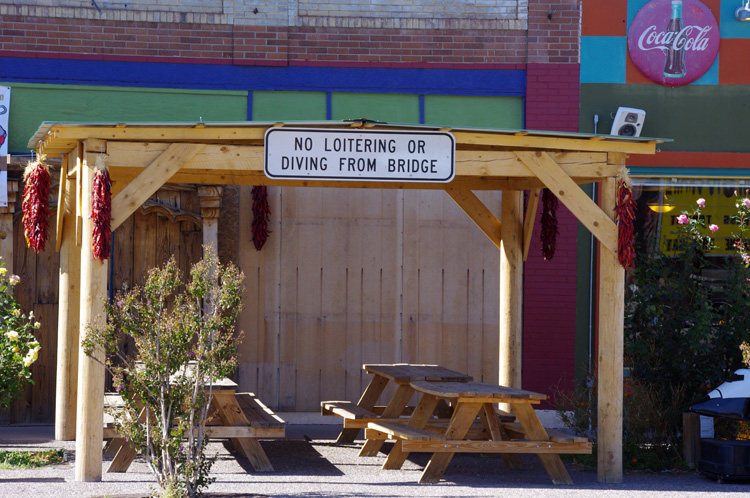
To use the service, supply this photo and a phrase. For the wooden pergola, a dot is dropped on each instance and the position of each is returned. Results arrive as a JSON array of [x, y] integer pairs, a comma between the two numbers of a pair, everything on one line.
[[141, 157]]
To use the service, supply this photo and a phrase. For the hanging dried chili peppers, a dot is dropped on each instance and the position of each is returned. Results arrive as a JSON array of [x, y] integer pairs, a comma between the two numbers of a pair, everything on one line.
[[101, 211], [261, 214], [35, 204], [549, 224], [625, 216]]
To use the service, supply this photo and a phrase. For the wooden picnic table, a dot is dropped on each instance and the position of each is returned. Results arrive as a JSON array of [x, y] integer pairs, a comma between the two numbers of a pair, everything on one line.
[[240, 417], [357, 416], [472, 400]]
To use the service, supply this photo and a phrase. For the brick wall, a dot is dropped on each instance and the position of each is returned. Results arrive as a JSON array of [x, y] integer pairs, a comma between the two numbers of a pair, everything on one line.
[[552, 102], [425, 14], [202, 31]]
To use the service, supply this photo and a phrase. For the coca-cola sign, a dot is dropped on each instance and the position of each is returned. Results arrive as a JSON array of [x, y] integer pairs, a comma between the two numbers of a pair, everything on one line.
[[673, 42]]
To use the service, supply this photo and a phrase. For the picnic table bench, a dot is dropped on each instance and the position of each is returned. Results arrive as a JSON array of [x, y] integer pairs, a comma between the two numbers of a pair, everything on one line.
[[240, 417], [472, 401]]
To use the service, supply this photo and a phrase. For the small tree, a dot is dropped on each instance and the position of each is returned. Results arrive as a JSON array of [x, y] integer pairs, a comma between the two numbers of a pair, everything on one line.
[[18, 346], [184, 338]]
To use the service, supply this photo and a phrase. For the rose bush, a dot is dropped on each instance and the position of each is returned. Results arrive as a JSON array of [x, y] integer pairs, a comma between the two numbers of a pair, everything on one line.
[[19, 347]]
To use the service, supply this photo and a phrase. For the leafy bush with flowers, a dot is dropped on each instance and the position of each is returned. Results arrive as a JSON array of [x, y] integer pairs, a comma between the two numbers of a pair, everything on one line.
[[184, 338], [18, 346], [682, 335]]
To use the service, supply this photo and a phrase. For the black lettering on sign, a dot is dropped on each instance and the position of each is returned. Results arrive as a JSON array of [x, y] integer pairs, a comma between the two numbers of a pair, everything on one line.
[[300, 144]]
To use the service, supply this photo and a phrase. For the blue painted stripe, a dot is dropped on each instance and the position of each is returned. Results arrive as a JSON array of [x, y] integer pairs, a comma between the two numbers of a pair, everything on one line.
[[487, 82]]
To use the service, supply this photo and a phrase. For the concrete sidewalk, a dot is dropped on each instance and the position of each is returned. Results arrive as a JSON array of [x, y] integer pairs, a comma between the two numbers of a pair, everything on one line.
[[309, 463]]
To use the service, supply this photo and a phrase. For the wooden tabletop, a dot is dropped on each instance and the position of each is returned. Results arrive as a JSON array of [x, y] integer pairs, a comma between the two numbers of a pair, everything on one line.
[[474, 390], [405, 372]]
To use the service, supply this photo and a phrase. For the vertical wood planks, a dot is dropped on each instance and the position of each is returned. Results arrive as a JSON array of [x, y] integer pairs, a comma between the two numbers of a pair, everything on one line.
[[308, 261]]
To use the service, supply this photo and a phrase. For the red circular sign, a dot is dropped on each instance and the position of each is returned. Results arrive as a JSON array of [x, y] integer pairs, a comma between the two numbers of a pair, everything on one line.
[[673, 42]]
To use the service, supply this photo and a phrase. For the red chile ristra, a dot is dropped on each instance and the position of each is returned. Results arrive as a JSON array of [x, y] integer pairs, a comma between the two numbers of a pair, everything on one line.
[[101, 214], [625, 216], [549, 224], [261, 213], [35, 205]]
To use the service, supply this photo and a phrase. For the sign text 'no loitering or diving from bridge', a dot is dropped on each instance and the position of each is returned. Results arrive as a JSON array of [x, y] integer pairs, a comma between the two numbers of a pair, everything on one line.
[[391, 156]]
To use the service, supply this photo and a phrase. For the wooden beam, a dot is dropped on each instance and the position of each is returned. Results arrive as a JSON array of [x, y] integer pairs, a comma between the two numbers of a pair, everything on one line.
[[156, 132], [478, 212], [90, 408], [68, 311], [485, 164], [175, 157], [571, 195], [553, 142], [511, 289], [528, 222], [610, 354], [61, 200]]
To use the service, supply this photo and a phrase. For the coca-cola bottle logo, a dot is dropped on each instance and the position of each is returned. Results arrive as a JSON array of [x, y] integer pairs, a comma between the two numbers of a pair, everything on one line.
[[673, 42]]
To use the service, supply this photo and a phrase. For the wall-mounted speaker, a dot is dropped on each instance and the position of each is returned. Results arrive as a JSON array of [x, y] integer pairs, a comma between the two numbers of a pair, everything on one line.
[[628, 122]]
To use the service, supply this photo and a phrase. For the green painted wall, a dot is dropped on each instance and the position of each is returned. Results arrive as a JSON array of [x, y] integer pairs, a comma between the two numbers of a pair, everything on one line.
[[32, 104], [699, 118], [289, 106], [392, 108], [482, 112]]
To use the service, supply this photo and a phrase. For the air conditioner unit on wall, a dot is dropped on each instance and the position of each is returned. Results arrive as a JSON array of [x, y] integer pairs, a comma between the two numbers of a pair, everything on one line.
[[628, 122]]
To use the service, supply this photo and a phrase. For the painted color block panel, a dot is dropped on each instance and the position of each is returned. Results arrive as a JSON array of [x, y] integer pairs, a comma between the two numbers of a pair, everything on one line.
[[604, 18], [634, 76], [491, 112], [603, 59], [710, 77], [377, 107], [288, 106], [633, 7], [734, 68], [686, 114], [31, 104], [728, 25]]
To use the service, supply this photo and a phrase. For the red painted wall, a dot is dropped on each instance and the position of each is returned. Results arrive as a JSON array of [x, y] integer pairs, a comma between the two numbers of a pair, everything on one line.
[[552, 103]]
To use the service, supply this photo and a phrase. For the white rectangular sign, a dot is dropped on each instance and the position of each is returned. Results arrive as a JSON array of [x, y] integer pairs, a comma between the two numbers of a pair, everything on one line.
[[4, 114], [373, 155]]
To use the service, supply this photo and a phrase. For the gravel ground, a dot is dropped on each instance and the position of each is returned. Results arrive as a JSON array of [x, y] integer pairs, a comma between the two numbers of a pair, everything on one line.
[[308, 463]]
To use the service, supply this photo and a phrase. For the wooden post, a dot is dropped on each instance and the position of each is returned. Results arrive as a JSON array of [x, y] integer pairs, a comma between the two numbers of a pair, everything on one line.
[[210, 199], [610, 355], [511, 288], [68, 312], [90, 370], [691, 438]]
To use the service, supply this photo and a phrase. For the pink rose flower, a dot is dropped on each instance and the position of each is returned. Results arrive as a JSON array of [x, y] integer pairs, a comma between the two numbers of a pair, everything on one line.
[[701, 202], [682, 219], [713, 228], [746, 202]]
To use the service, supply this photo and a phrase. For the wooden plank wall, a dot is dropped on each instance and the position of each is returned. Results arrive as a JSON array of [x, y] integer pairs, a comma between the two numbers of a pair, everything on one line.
[[353, 276], [348, 276], [143, 241]]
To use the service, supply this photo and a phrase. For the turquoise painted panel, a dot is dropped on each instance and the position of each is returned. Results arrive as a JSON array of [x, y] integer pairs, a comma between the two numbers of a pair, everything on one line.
[[31, 104], [633, 7], [729, 27], [710, 77], [289, 106], [603, 59], [482, 112]]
